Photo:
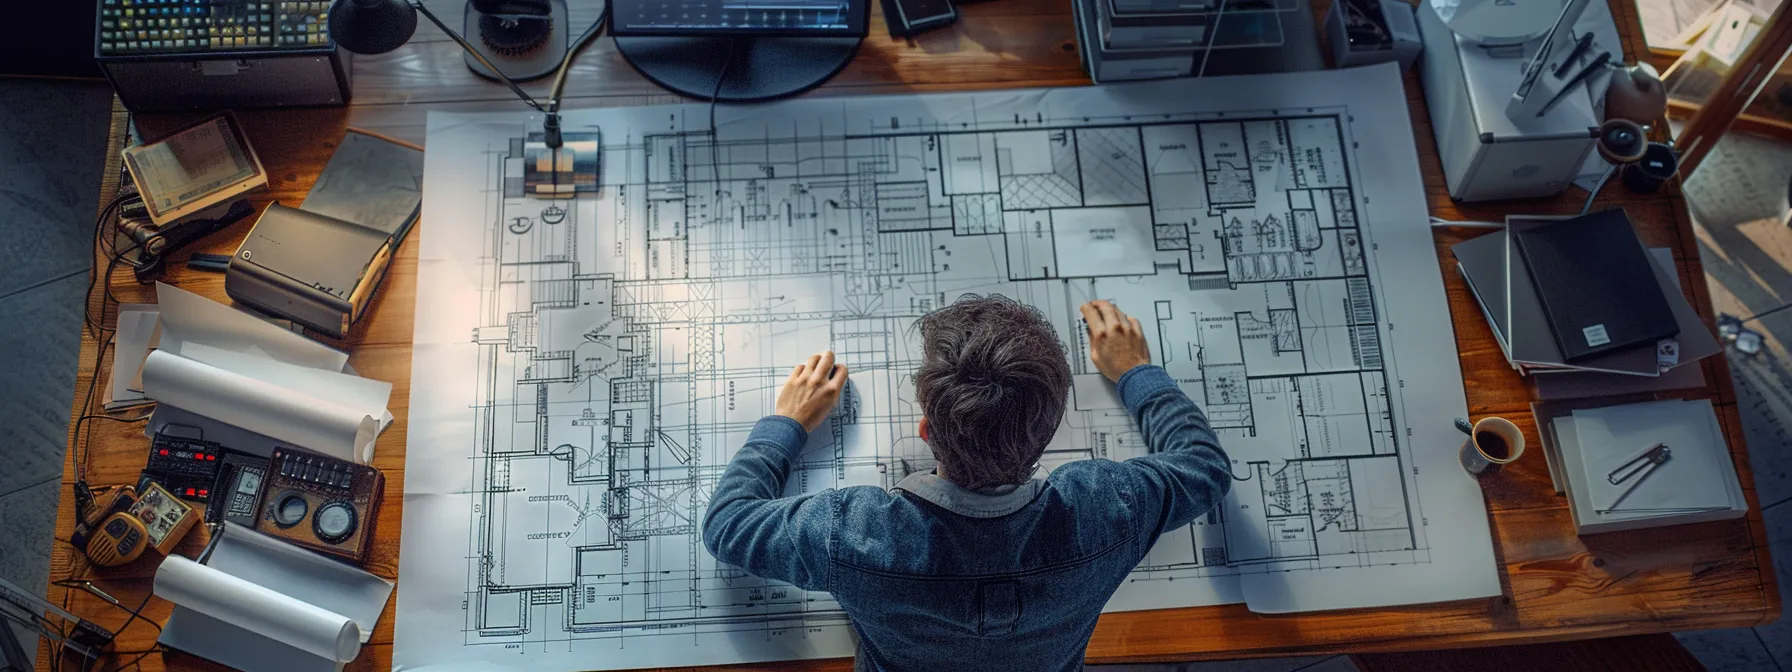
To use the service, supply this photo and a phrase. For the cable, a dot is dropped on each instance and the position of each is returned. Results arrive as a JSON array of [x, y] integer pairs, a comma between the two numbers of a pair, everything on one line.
[[597, 28], [139, 659], [1764, 313], [715, 132], [81, 448], [137, 614], [1216, 36], [99, 222], [1595, 191]]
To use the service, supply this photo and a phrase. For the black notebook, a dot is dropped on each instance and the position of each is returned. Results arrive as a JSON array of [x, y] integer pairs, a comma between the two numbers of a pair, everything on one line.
[[1598, 290]]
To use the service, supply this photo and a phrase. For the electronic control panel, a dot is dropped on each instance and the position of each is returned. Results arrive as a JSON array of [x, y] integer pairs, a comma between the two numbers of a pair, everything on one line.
[[324, 504], [133, 27], [186, 467]]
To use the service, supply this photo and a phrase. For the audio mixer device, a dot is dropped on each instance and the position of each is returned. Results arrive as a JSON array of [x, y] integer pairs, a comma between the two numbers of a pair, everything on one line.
[[186, 467], [323, 504], [166, 55]]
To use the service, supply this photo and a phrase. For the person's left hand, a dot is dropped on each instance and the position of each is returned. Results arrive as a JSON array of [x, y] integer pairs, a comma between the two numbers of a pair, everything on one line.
[[812, 390]]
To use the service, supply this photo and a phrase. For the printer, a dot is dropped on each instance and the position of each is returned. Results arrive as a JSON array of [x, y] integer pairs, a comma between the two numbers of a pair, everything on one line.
[[1470, 78]]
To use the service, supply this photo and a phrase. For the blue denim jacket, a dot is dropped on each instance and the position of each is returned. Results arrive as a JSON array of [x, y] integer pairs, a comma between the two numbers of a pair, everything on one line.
[[935, 576]]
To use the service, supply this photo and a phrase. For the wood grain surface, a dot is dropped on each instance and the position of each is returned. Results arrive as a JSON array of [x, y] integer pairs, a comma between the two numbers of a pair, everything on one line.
[[1658, 653], [1556, 586]]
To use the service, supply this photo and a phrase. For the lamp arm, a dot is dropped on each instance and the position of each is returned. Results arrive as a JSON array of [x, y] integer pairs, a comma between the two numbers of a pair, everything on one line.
[[571, 52], [478, 56]]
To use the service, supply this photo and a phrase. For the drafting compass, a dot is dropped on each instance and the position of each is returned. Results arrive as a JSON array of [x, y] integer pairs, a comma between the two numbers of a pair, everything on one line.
[[1635, 471]]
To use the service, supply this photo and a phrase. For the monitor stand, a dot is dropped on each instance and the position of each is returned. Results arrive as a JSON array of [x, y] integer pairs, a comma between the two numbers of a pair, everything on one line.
[[763, 68]]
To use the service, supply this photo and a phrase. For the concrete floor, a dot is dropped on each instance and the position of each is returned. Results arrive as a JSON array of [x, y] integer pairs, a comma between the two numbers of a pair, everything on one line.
[[1738, 200], [52, 151]]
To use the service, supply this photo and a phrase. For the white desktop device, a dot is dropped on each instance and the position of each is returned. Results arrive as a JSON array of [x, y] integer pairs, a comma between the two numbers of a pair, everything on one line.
[[1472, 73]]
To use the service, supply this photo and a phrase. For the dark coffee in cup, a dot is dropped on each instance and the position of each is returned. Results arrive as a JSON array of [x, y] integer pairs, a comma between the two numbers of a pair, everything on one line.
[[1493, 445]]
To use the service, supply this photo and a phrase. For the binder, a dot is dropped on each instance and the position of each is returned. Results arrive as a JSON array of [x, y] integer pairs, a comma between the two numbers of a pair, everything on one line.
[[1596, 284]]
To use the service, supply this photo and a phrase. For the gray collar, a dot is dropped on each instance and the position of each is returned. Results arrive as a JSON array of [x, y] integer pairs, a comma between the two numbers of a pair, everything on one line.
[[991, 502]]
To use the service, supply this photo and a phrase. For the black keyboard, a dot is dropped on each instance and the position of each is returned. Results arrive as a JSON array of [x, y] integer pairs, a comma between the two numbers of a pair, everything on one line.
[[129, 27]]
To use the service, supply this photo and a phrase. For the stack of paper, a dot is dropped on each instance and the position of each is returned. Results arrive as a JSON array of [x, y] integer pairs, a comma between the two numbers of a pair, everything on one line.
[[131, 342], [1508, 299], [252, 386], [1597, 459]]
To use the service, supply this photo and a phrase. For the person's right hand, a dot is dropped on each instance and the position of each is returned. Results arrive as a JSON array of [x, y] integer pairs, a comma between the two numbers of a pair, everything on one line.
[[812, 390], [1116, 342]]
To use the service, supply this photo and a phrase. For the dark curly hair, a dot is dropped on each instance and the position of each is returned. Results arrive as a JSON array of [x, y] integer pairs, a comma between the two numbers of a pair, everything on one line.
[[993, 384]]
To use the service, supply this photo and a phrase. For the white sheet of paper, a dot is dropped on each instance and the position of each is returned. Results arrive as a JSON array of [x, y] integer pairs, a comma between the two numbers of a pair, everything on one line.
[[191, 318], [563, 346], [136, 326], [1690, 479], [303, 575], [315, 424], [258, 609], [364, 395]]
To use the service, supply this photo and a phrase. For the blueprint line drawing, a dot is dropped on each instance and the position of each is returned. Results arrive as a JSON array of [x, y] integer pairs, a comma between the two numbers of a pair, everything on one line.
[[585, 368]]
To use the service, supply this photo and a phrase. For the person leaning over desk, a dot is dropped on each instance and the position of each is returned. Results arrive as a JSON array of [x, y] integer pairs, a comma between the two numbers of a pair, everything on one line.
[[976, 565]]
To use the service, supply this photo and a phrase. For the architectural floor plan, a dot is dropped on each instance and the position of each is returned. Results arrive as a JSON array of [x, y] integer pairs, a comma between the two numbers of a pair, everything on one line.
[[585, 368]]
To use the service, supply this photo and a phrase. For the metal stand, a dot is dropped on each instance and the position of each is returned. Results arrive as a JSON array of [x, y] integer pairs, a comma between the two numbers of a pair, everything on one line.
[[538, 63], [758, 68]]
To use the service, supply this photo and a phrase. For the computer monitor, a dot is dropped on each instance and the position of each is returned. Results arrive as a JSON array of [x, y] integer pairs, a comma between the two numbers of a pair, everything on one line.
[[739, 50], [836, 18]]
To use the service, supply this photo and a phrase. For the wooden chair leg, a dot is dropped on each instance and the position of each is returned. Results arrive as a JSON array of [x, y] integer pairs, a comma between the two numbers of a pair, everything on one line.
[[1738, 88]]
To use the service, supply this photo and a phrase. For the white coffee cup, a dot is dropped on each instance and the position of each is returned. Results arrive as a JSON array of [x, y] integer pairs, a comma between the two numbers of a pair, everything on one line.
[[1504, 443]]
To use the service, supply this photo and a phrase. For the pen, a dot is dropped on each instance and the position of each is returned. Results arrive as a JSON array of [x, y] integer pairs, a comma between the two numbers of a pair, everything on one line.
[[1598, 64], [1579, 50]]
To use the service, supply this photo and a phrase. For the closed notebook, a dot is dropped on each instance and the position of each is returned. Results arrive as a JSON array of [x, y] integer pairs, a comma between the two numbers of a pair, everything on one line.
[[1596, 284]]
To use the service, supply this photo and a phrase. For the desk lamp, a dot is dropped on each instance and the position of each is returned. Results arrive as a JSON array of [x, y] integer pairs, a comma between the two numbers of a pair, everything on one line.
[[524, 29]]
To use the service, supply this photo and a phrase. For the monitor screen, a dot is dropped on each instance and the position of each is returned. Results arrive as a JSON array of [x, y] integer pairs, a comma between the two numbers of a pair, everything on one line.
[[739, 17]]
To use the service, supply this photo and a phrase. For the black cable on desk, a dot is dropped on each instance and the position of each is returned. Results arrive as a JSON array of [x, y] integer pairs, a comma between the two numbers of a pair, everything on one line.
[[715, 133]]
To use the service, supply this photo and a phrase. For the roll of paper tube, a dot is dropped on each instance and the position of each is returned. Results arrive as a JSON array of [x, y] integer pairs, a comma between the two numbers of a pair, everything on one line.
[[315, 630], [318, 425]]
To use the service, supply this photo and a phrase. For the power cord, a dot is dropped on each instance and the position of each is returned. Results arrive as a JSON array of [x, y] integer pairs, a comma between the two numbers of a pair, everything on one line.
[[715, 133], [106, 298], [1594, 192], [1764, 313], [99, 227], [578, 45], [133, 615]]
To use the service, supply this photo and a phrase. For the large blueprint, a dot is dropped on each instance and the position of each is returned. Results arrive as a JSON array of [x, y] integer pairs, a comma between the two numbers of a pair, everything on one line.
[[585, 368]]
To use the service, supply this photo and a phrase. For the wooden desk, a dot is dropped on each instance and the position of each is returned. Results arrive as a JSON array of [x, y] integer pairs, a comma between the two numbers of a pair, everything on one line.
[[1556, 586]]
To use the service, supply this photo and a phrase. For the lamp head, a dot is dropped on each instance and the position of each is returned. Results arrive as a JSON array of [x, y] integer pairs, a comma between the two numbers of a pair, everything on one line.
[[1622, 141], [372, 26]]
